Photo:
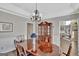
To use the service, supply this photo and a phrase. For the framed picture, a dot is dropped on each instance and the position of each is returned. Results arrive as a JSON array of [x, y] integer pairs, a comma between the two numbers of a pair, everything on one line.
[[6, 27]]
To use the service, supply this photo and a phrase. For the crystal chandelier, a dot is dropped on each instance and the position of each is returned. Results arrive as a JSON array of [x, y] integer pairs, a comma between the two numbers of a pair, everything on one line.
[[36, 15]]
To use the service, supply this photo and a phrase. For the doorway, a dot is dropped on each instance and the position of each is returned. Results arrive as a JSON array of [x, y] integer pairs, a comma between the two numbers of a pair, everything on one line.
[[29, 32], [69, 37]]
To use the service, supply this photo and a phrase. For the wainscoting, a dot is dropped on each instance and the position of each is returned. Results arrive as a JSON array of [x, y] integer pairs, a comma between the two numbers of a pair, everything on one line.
[[12, 53]]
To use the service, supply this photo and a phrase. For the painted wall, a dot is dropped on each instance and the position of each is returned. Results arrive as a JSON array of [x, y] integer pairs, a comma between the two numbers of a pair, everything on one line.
[[7, 38], [55, 34], [78, 36]]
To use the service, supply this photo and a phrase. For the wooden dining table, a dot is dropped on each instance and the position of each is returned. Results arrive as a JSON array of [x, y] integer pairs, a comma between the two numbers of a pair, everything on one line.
[[55, 51]]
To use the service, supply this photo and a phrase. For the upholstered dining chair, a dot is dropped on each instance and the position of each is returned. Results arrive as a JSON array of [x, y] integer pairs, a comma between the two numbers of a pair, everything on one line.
[[69, 50], [20, 51]]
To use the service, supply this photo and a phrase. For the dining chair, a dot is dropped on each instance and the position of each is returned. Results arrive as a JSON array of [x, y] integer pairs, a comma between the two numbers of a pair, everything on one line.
[[69, 50], [20, 51]]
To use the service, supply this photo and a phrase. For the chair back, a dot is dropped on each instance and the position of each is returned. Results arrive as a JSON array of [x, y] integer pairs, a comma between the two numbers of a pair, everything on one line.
[[69, 50], [20, 50]]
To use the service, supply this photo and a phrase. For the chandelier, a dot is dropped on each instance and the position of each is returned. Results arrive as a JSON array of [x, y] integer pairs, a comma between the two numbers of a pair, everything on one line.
[[36, 15]]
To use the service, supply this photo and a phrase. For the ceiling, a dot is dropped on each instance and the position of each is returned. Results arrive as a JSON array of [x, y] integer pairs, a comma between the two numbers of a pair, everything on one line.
[[47, 10]]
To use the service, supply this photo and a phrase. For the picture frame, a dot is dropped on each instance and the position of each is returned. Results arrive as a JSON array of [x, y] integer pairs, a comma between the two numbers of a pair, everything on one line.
[[6, 27]]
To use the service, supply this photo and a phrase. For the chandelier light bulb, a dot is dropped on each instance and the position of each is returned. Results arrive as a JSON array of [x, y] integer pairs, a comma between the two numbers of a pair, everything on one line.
[[36, 15]]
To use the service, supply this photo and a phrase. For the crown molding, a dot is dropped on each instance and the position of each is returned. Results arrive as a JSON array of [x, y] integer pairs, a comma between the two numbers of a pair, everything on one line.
[[14, 10], [13, 13]]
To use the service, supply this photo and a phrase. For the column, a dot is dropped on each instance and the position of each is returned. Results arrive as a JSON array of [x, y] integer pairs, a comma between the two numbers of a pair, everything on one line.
[[34, 39], [74, 38]]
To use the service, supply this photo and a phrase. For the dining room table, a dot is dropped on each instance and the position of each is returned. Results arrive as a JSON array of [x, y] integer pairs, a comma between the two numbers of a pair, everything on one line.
[[55, 51]]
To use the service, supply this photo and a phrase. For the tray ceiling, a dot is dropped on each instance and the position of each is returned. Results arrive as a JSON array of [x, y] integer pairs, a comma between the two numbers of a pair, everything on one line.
[[47, 10]]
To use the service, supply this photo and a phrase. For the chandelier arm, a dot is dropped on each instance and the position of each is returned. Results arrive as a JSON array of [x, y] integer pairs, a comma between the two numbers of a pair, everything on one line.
[[36, 16]]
